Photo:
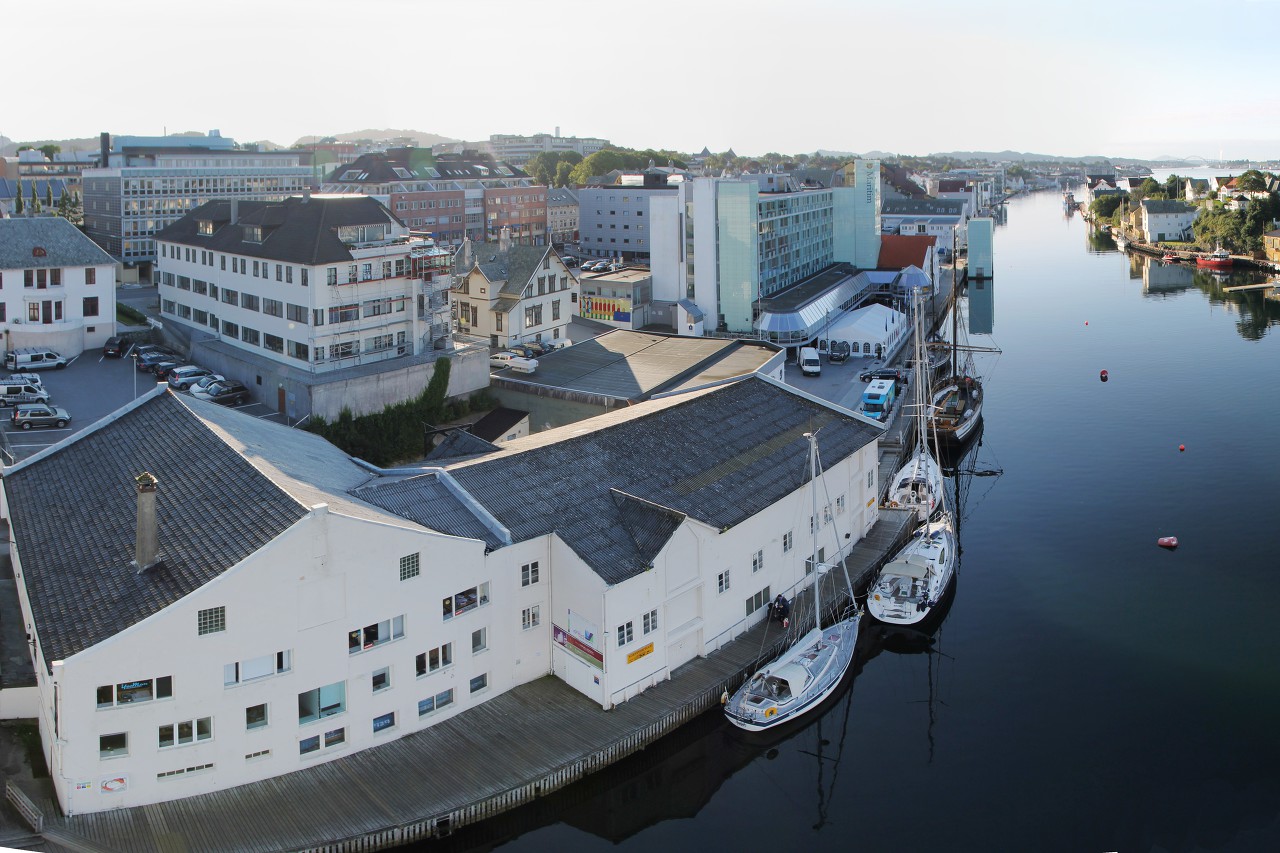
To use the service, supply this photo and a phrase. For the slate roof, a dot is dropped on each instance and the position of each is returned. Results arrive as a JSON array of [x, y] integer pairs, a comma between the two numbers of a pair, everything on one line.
[[514, 267], [296, 230], [903, 250], [951, 186], [73, 516], [425, 500], [9, 188], [497, 423], [1158, 205], [65, 245], [561, 197], [923, 206], [459, 442], [614, 487]]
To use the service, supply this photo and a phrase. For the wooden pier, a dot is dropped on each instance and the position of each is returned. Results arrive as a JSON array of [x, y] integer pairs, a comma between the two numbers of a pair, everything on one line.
[[524, 744]]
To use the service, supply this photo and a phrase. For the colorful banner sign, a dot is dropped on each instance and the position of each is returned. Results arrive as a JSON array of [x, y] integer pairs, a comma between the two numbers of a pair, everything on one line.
[[576, 647], [611, 310]]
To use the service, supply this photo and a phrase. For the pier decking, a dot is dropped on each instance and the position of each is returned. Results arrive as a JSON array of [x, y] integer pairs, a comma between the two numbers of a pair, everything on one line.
[[526, 743]]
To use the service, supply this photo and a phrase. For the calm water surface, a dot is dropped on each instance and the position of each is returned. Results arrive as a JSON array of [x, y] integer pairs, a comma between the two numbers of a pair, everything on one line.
[[1087, 690]]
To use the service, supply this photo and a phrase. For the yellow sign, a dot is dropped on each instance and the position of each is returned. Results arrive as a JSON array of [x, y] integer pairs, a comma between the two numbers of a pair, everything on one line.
[[639, 653]]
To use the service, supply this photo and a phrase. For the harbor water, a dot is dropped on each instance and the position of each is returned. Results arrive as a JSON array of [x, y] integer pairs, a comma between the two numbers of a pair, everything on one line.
[[1087, 690]]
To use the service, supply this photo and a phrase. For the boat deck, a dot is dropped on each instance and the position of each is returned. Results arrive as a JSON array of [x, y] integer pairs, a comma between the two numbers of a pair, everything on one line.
[[528, 742]]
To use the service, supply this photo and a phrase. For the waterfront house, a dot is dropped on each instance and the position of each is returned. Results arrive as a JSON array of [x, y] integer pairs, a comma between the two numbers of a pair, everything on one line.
[[241, 600], [57, 287], [1195, 189], [513, 294], [1167, 220], [1271, 246]]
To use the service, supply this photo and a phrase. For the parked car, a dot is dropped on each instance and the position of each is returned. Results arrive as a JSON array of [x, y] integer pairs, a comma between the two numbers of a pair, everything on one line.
[[34, 358], [148, 360], [523, 351], [182, 378], [23, 379], [205, 382], [161, 369], [30, 415], [539, 349], [114, 347], [897, 375], [228, 392], [16, 393]]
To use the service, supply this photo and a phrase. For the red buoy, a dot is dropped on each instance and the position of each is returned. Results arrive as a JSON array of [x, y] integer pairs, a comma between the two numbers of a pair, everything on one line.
[[1182, 448], [1169, 542], [1103, 376]]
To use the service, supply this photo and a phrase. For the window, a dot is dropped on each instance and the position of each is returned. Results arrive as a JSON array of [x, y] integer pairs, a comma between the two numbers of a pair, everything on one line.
[[90, 307], [386, 721], [479, 640], [786, 541], [229, 296], [555, 309], [250, 301], [295, 313], [529, 574], [259, 667], [275, 343], [760, 599], [840, 505], [465, 601], [722, 581], [435, 659], [362, 639], [113, 746], [90, 275], [626, 634], [305, 277], [230, 329], [211, 621], [255, 717], [409, 567], [344, 313], [273, 307], [480, 682], [381, 679], [279, 272], [757, 561], [334, 737], [322, 702], [435, 703], [185, 732], [183, 771], [331, 276], [531, 617], [651, 621], [133, 692]]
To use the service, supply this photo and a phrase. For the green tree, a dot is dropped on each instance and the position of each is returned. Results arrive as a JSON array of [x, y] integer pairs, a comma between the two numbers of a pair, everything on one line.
[[50, 149], [1252, 181], [1173, 186], [35, 202], [19, 206], [563, 170], [48, 194], [1104, 206]]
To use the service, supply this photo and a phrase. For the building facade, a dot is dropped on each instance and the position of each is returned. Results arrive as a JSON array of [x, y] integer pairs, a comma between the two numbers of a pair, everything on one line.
[[319, 283], [615, 221], [328, 609], [57, 287], [520, 149], [1167, 220], [145, 189], [511, 294], [562, 215]]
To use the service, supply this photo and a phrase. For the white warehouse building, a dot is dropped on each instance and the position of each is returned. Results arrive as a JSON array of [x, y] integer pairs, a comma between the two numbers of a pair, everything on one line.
[[213, 599]]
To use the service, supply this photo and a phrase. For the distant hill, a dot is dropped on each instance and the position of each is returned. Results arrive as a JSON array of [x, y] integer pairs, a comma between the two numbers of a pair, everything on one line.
[[998, 156], [421, 139]]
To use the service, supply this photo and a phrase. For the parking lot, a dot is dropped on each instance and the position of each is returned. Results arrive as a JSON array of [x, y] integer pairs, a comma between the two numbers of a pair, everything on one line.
[[89, 388]]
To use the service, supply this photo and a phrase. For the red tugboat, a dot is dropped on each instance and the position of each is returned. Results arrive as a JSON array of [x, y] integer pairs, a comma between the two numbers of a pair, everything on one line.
[[1218, 259]]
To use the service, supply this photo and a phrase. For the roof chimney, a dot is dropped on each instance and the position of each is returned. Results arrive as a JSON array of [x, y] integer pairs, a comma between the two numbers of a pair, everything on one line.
[[235, 210], [466, 253], [504, 239], [147, 545], [104, 147]]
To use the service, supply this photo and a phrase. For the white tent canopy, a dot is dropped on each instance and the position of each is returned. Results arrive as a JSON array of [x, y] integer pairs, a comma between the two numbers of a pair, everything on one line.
[[871, 330]]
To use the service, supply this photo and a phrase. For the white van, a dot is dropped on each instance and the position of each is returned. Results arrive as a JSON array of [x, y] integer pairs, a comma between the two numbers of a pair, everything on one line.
[[809, 363], [33, 358], [518, 363], [16, 393]]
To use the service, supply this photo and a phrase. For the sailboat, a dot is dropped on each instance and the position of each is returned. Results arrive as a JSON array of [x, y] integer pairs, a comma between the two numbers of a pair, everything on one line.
[[918, 483], [814, 666], [911, 585], [957, 403]]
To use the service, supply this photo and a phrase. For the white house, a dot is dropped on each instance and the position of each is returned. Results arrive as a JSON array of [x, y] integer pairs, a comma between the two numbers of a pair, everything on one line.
[[1167, 219], [57, 287], [513, 294], [240, 600]]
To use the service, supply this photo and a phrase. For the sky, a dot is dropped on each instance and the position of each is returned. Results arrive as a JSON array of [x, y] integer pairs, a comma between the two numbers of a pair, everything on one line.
[[1123, 78]]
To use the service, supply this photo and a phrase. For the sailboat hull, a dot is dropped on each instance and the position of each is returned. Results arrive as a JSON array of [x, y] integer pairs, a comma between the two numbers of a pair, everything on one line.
[[824, 656], [957, 410], [916, 581]]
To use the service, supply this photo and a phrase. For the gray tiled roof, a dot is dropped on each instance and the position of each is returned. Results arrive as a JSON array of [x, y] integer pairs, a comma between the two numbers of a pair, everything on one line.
[[460, 443], [64, 244], [427, 501], [719, 456], [297, 230], [923, 206], [74, 521], [1159, 205], [561, 197], [514, 267]]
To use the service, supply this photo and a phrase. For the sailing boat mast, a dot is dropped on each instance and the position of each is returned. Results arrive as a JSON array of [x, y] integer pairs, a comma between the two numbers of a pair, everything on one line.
[[813, 493]]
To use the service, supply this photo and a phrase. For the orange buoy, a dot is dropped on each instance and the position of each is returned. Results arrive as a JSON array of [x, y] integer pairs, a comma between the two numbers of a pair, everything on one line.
[[1182, 448], [1169, 542]]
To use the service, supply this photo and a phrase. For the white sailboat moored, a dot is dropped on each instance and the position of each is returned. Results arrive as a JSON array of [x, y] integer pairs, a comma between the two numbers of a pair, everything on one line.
[[909, 587], [813, 667], [918, 483]]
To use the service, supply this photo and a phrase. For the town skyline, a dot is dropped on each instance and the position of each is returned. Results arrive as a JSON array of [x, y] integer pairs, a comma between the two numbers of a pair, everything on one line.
[[978, 79]]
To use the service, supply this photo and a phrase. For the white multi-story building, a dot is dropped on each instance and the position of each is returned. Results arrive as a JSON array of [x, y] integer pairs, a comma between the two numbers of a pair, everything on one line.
[[316, 282], [57, 287], [520, 149], [326, 608], [1167, 219]]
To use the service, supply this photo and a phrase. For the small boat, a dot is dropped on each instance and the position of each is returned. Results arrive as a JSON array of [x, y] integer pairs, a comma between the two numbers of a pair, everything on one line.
[[908, 588], [1170, 258], [813, 667], [1218, 259]]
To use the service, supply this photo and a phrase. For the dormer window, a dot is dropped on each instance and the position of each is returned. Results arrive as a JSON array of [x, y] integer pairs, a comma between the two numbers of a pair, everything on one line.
[[204, 227], [252, 233]]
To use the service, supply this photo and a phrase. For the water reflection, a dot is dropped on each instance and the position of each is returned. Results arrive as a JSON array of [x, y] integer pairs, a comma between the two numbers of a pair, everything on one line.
[[1238, 290]]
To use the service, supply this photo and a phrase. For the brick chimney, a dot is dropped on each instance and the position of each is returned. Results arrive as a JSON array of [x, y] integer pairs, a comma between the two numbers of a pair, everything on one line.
[[147, 545]]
